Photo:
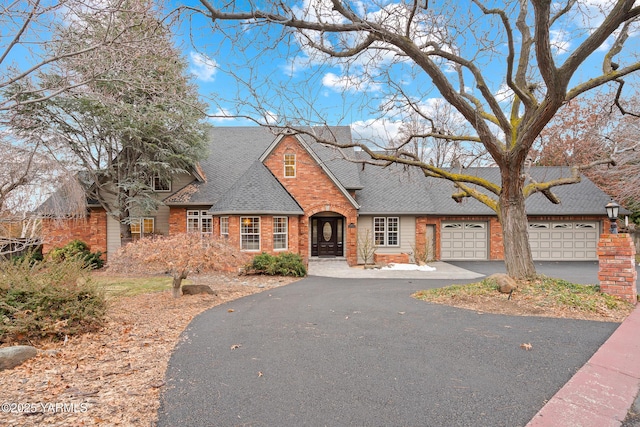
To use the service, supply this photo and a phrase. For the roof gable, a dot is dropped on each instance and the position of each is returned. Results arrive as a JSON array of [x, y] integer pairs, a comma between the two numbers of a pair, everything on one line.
[[322, 163], [257, 191]]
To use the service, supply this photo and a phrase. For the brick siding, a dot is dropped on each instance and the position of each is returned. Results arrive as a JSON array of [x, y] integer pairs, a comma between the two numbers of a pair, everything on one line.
[[617, 273], [315, 192], [92, 230], [402, 258]]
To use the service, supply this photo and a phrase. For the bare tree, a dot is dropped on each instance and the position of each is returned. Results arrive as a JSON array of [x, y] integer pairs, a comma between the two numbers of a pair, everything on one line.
[[587, 129], [415, 137], [507, 69]]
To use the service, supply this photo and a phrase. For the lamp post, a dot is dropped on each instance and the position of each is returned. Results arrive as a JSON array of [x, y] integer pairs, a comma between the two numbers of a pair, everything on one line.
[[612, 212]]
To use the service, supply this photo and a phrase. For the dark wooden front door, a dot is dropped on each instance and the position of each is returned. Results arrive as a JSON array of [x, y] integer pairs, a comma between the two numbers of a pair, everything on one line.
[[327, 237]]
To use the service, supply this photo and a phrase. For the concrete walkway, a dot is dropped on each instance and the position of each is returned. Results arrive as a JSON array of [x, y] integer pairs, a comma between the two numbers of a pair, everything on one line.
[[340, 269]]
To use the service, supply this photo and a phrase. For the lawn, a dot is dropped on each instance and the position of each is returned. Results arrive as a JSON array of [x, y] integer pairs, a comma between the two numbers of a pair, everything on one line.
[[126, 286], [540, 297]]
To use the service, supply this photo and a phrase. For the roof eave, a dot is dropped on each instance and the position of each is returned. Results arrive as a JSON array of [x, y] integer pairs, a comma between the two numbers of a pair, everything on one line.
[[238, 212]]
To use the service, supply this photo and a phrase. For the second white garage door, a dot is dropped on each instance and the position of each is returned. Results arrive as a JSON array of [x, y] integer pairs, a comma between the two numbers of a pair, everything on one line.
[[464, 240], [564, 241]]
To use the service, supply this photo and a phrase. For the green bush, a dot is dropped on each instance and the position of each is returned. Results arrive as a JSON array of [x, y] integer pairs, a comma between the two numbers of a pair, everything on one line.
[[290, 264], [80, 250], [48, 299], [284, 264], [32, 257]]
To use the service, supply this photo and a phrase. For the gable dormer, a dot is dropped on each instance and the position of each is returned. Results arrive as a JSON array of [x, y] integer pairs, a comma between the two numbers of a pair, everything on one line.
[[306, 176]]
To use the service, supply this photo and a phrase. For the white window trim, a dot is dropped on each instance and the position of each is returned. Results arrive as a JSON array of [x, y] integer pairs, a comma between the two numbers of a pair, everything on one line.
[[285, 233], [293, 166], [200, 217], [242, 218], [155, 179], [140, 222], [386, 232], [224, 234]]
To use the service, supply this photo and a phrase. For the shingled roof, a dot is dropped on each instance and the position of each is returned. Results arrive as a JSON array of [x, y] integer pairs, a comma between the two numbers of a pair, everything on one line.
[[397, 190], [257, 192], [232, 152]]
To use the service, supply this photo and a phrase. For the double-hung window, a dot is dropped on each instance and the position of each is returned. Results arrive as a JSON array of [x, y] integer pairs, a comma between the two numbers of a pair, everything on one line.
[[386, 231], [280, 232], [250, 233], [199, 222], [289, 165], [224, 226], [141, 226]]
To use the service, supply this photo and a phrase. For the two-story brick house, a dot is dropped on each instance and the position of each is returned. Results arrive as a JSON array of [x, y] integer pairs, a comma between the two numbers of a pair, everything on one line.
[[269, 191]]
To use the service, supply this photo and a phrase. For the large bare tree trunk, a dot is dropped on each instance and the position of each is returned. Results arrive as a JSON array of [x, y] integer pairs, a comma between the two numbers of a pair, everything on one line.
[[513, 218]]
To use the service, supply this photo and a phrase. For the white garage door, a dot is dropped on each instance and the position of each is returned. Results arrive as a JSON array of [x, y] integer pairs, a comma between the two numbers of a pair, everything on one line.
[[564, 241], [464, 240]]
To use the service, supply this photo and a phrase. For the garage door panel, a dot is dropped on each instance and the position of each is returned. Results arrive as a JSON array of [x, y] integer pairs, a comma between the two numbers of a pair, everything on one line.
[[564, 240], [464, 240]]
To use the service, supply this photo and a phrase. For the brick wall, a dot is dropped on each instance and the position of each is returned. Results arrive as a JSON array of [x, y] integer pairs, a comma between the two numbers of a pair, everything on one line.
[[177, 220], [391, 258], [617, 273], [91, 230], [315, 192]]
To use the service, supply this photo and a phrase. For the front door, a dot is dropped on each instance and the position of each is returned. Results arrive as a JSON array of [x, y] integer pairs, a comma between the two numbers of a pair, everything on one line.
[[327, 237]]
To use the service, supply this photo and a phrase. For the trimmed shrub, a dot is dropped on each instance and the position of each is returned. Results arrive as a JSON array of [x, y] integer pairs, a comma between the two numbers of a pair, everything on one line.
[[48, 299], [284, 264], [80, 250], [290, 264]]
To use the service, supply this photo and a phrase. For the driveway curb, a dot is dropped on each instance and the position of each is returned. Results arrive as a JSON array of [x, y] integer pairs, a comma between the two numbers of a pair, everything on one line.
[[602, 391]]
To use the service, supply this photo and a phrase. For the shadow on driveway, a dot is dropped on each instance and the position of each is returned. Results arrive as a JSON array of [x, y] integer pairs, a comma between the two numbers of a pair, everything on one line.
[[362, 352]]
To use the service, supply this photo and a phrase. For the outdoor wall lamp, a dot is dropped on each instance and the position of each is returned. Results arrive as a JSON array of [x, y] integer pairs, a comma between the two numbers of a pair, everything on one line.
[[612, 212]]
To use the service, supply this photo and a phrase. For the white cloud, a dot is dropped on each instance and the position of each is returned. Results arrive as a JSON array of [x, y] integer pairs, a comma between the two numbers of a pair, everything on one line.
[[349, 83], [377, 131], [202, 67], [270, 118], [221, 115], [560, 41]]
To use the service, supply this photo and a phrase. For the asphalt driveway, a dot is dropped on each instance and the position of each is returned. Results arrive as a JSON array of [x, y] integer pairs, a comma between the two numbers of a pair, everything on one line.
[[362, 352]]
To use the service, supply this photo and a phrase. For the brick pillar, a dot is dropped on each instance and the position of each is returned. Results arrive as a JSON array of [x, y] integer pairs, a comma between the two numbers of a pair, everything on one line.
[[617, 274]]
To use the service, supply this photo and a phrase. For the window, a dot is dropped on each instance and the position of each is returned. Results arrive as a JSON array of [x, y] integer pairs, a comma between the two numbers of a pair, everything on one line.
[[199, 222], [162, 185], [289, 165], [224, 226], [141, 226], [250, 233], [386, 231], [280, 232]]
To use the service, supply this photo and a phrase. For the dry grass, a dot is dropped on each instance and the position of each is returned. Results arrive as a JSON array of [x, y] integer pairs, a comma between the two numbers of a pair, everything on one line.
[[541, 297]]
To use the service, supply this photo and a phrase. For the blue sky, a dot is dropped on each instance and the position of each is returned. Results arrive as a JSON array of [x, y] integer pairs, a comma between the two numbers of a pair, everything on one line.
[[321, 87], [323, 93]]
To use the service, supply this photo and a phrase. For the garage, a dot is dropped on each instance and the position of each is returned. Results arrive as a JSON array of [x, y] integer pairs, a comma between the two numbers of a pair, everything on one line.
[[564, 240], [464, 240]]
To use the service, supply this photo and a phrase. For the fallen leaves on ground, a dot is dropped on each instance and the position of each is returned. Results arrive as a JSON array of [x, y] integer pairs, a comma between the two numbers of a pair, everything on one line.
[[114, 377], [541, 297]]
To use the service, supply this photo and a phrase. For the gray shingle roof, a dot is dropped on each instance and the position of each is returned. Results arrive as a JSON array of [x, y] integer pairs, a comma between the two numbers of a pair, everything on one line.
[[396, 190], [257, 191], [233, 150]]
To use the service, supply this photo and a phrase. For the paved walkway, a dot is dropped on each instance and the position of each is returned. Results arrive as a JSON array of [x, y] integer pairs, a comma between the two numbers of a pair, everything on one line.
[[332, 351]]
